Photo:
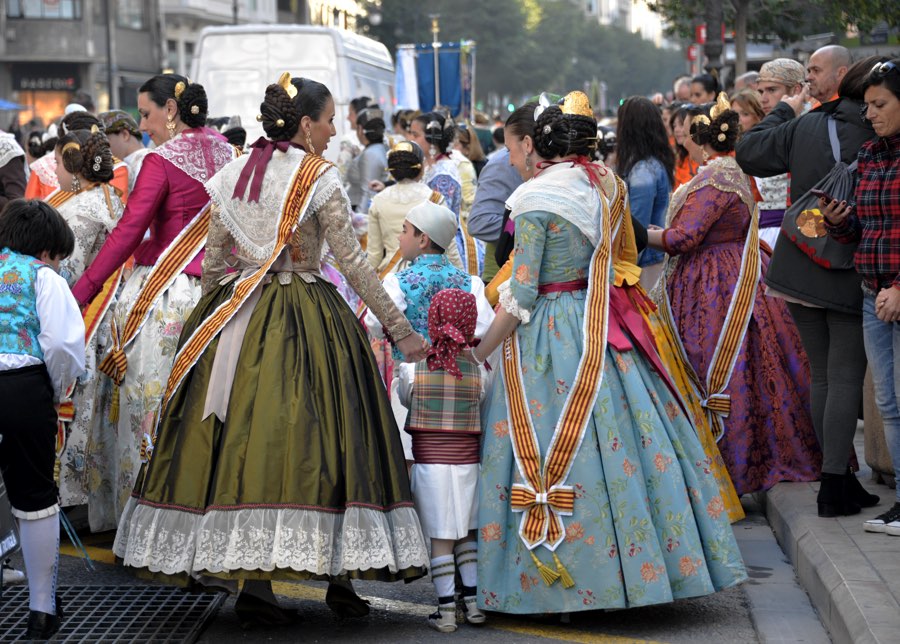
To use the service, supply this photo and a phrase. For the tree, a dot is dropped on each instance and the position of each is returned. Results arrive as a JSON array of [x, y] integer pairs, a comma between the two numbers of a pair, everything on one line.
[[527, 46], [786, 20]]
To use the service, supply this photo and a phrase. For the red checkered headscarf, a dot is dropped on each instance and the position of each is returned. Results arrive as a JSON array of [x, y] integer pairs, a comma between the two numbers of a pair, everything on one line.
[[451, 322]]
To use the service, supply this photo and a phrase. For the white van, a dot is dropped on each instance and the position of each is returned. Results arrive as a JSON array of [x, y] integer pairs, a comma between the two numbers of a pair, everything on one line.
[[235, 64]]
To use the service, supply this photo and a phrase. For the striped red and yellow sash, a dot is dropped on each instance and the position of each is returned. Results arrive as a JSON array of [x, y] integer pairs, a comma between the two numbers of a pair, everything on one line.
[[58, 197], [299, 196], [169, 266], [731, 337], [471, 253], [544, 498]]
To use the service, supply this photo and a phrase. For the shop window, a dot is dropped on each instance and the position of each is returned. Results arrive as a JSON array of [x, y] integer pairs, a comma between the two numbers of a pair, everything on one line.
[[130, 14], [49, 9]]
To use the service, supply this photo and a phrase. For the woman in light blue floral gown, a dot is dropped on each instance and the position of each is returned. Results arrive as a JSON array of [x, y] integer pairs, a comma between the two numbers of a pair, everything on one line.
[[615, 507]]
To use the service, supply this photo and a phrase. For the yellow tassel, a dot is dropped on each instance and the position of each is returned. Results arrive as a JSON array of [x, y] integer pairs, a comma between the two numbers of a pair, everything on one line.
[[548, 575], [57, 467], [114, 407], [564, 575]]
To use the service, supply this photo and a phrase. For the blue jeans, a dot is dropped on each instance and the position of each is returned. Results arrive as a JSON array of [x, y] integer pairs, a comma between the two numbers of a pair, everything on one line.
[[883, 350]]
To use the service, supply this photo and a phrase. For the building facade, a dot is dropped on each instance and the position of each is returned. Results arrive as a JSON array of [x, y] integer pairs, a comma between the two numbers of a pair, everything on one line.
[[51, 48]]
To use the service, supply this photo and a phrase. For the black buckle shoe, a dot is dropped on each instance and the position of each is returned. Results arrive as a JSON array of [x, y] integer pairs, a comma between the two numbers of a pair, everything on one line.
[[42, 626]]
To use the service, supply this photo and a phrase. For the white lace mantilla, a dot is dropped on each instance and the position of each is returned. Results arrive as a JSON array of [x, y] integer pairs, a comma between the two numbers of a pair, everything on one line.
[[321, 543], [444, 166], [255, 225], [563, 189], [510, 305], [9, 148], [45, 169], [197, 154]]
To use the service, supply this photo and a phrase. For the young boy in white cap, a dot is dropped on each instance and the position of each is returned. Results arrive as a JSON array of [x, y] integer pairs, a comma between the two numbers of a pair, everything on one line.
[[443, 397]]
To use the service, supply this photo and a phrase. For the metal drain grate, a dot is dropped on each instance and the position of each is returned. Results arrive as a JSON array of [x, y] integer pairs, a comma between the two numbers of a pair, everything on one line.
[[116, 614]]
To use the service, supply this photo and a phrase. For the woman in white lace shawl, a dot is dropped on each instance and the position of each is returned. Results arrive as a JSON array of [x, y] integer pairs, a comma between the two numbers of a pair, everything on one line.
[[277, 456]]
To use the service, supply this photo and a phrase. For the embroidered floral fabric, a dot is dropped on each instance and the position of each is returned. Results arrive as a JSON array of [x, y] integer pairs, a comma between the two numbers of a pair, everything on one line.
[[648, 525]]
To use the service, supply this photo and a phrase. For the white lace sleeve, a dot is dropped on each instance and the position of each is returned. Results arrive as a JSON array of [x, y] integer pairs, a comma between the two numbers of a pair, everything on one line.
[[509, 304]]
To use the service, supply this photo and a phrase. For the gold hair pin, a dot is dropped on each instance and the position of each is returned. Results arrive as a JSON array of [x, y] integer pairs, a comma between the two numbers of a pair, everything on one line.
[[285, 81], [179, 89], [94, 129], [71, 145]]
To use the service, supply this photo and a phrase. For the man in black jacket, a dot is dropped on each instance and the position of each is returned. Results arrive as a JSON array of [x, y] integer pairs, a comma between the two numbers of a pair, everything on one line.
[[826, 304]]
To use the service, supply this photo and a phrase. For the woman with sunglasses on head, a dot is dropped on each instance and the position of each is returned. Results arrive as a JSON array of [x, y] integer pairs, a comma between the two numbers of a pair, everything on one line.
[[875, 224], [825, 303]]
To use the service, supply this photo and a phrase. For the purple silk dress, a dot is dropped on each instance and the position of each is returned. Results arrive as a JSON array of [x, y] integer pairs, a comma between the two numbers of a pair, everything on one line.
[[769, 434]]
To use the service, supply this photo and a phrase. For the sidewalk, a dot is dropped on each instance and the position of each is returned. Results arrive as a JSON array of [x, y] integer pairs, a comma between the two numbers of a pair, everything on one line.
[[852, 576]]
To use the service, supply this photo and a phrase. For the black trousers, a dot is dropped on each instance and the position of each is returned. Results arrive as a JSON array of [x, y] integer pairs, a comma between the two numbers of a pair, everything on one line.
[[28, 448]]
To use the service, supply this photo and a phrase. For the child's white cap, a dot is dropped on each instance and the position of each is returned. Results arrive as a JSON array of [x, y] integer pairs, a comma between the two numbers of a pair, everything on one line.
[[438, 222]]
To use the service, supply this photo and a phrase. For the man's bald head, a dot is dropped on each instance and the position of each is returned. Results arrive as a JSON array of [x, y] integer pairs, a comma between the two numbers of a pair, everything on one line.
[[825, 70]]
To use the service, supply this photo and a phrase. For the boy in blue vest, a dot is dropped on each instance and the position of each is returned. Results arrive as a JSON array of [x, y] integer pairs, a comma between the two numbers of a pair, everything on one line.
[[41, 353], [443, 401]]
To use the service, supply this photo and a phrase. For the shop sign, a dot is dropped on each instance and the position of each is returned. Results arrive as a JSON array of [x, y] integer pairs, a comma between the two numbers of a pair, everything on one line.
[[60, 77]]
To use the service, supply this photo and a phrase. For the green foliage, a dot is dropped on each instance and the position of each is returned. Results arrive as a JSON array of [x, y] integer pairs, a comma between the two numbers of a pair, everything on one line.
[[525, 47], [786, 19]]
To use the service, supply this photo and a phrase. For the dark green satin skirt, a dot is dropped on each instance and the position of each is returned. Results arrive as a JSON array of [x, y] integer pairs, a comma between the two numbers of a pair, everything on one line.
[[306, 477]]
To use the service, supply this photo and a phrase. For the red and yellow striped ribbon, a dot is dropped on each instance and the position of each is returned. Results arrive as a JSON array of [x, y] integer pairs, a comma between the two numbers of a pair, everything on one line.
[[170, 264], [308, 173], [731, 337], [544, 498]]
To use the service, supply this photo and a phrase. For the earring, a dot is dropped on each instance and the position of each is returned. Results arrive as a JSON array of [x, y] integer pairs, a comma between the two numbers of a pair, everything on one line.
[[309, 144], [170, 126], [705, 155], [76, 184], [432, 151], [528, 163]]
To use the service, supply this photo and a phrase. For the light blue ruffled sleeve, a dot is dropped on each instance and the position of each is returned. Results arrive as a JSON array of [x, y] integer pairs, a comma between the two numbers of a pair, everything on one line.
[[519, 294]]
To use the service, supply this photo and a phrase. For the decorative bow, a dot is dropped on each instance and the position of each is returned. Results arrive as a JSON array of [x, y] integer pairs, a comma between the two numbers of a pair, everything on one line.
[[255, 169], [542, 510]]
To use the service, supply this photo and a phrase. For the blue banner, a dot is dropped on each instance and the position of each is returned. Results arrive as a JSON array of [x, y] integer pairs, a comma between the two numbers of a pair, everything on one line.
[[454, 68]]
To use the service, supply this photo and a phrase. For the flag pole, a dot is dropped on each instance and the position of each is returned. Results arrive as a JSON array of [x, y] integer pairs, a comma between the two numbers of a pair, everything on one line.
[[435, 44]]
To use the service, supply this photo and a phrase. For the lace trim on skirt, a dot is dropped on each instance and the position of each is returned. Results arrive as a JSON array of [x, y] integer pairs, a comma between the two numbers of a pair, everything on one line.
[[174, 541]]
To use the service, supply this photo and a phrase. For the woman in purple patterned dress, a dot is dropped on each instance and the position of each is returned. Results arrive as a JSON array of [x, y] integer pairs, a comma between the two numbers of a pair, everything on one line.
[[767, 434]]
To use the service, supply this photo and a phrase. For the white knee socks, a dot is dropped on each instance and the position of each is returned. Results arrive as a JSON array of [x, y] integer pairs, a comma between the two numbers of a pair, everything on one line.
[[40, 547], [443, 574], [467, 562]]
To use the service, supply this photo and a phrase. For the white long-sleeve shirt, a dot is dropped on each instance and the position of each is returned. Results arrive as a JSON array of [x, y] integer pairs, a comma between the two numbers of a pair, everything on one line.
[[62, 333]]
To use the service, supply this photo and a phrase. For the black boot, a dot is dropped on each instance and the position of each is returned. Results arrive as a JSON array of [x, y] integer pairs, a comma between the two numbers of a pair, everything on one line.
[[834, 497], [858, 493]]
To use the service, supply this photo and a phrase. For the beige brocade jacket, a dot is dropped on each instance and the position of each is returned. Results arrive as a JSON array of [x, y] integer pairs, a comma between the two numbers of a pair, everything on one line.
[[328, 219]]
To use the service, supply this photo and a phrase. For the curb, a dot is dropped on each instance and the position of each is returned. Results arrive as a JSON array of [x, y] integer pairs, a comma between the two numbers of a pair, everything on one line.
[[854, 602]]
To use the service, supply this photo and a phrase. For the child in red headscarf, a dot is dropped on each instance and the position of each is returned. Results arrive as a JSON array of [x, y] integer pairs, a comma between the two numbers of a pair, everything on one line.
[[444, 398]]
